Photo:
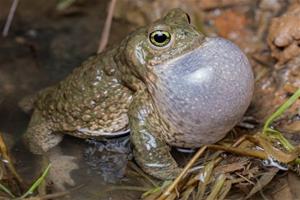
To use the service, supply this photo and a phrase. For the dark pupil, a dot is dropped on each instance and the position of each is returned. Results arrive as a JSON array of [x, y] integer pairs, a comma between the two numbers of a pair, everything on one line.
[[160, 37]]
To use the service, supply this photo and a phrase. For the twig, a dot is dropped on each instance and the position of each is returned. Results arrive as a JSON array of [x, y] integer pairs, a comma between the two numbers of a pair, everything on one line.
[[166, 193], [244, 152], [10, 17], [106, 30]]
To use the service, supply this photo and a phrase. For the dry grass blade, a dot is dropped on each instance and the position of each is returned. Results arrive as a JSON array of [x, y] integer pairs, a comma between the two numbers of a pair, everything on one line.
[[5, 156], [10, 17], [216, 160], [263, 181], [172, 196], [217, 187], [240, 151], [226, 188], [152, 195], [187, 193], [6, 190], [204, 178], [274, 152], [106, 30], [245, 178], [168, 191]]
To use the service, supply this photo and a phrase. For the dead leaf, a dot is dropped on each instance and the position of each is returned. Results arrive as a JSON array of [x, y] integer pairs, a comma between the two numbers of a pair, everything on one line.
[[227, 168], [264, 180], [294, 185]]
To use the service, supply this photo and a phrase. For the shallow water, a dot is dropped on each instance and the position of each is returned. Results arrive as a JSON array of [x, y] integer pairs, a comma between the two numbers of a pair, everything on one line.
[[43, 46]]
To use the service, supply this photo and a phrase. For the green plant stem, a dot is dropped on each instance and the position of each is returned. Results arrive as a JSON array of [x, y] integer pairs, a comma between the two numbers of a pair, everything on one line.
[[36, 183], [7, 191], [281, 110], [277, 135], [268, 131]]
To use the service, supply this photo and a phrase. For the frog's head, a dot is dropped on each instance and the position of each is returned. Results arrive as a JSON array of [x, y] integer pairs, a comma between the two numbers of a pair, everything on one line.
[[163, 40]]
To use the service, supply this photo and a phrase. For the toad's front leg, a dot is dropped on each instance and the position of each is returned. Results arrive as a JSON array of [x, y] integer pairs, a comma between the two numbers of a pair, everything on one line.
[[150, 150]]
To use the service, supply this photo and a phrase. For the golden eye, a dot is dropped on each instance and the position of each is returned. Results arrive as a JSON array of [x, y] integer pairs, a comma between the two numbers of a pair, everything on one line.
[[160, 38]]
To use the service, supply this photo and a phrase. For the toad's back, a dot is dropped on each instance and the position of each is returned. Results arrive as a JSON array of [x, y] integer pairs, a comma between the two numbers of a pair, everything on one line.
[[91, 101]]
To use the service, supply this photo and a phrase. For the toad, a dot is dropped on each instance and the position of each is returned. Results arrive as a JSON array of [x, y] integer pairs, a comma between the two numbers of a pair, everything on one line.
[[166, 83]]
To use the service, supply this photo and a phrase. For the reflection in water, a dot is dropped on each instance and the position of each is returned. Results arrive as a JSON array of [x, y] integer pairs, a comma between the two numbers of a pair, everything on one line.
[[108, 158]]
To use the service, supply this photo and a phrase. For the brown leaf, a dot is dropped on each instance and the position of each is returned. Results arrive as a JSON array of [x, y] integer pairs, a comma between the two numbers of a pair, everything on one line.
[[283, 193], [264, 180], [227, 168], [294, 185]]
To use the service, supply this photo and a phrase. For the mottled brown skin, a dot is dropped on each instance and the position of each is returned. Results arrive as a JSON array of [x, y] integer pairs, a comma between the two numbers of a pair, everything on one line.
[[155, 92], [76, 104]]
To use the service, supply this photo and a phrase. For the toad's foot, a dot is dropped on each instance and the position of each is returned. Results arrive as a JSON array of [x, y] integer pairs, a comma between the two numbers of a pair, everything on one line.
[[163, 172]]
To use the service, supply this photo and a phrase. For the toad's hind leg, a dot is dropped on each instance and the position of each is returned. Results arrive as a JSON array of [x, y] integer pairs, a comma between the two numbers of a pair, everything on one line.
[[39, 135]]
